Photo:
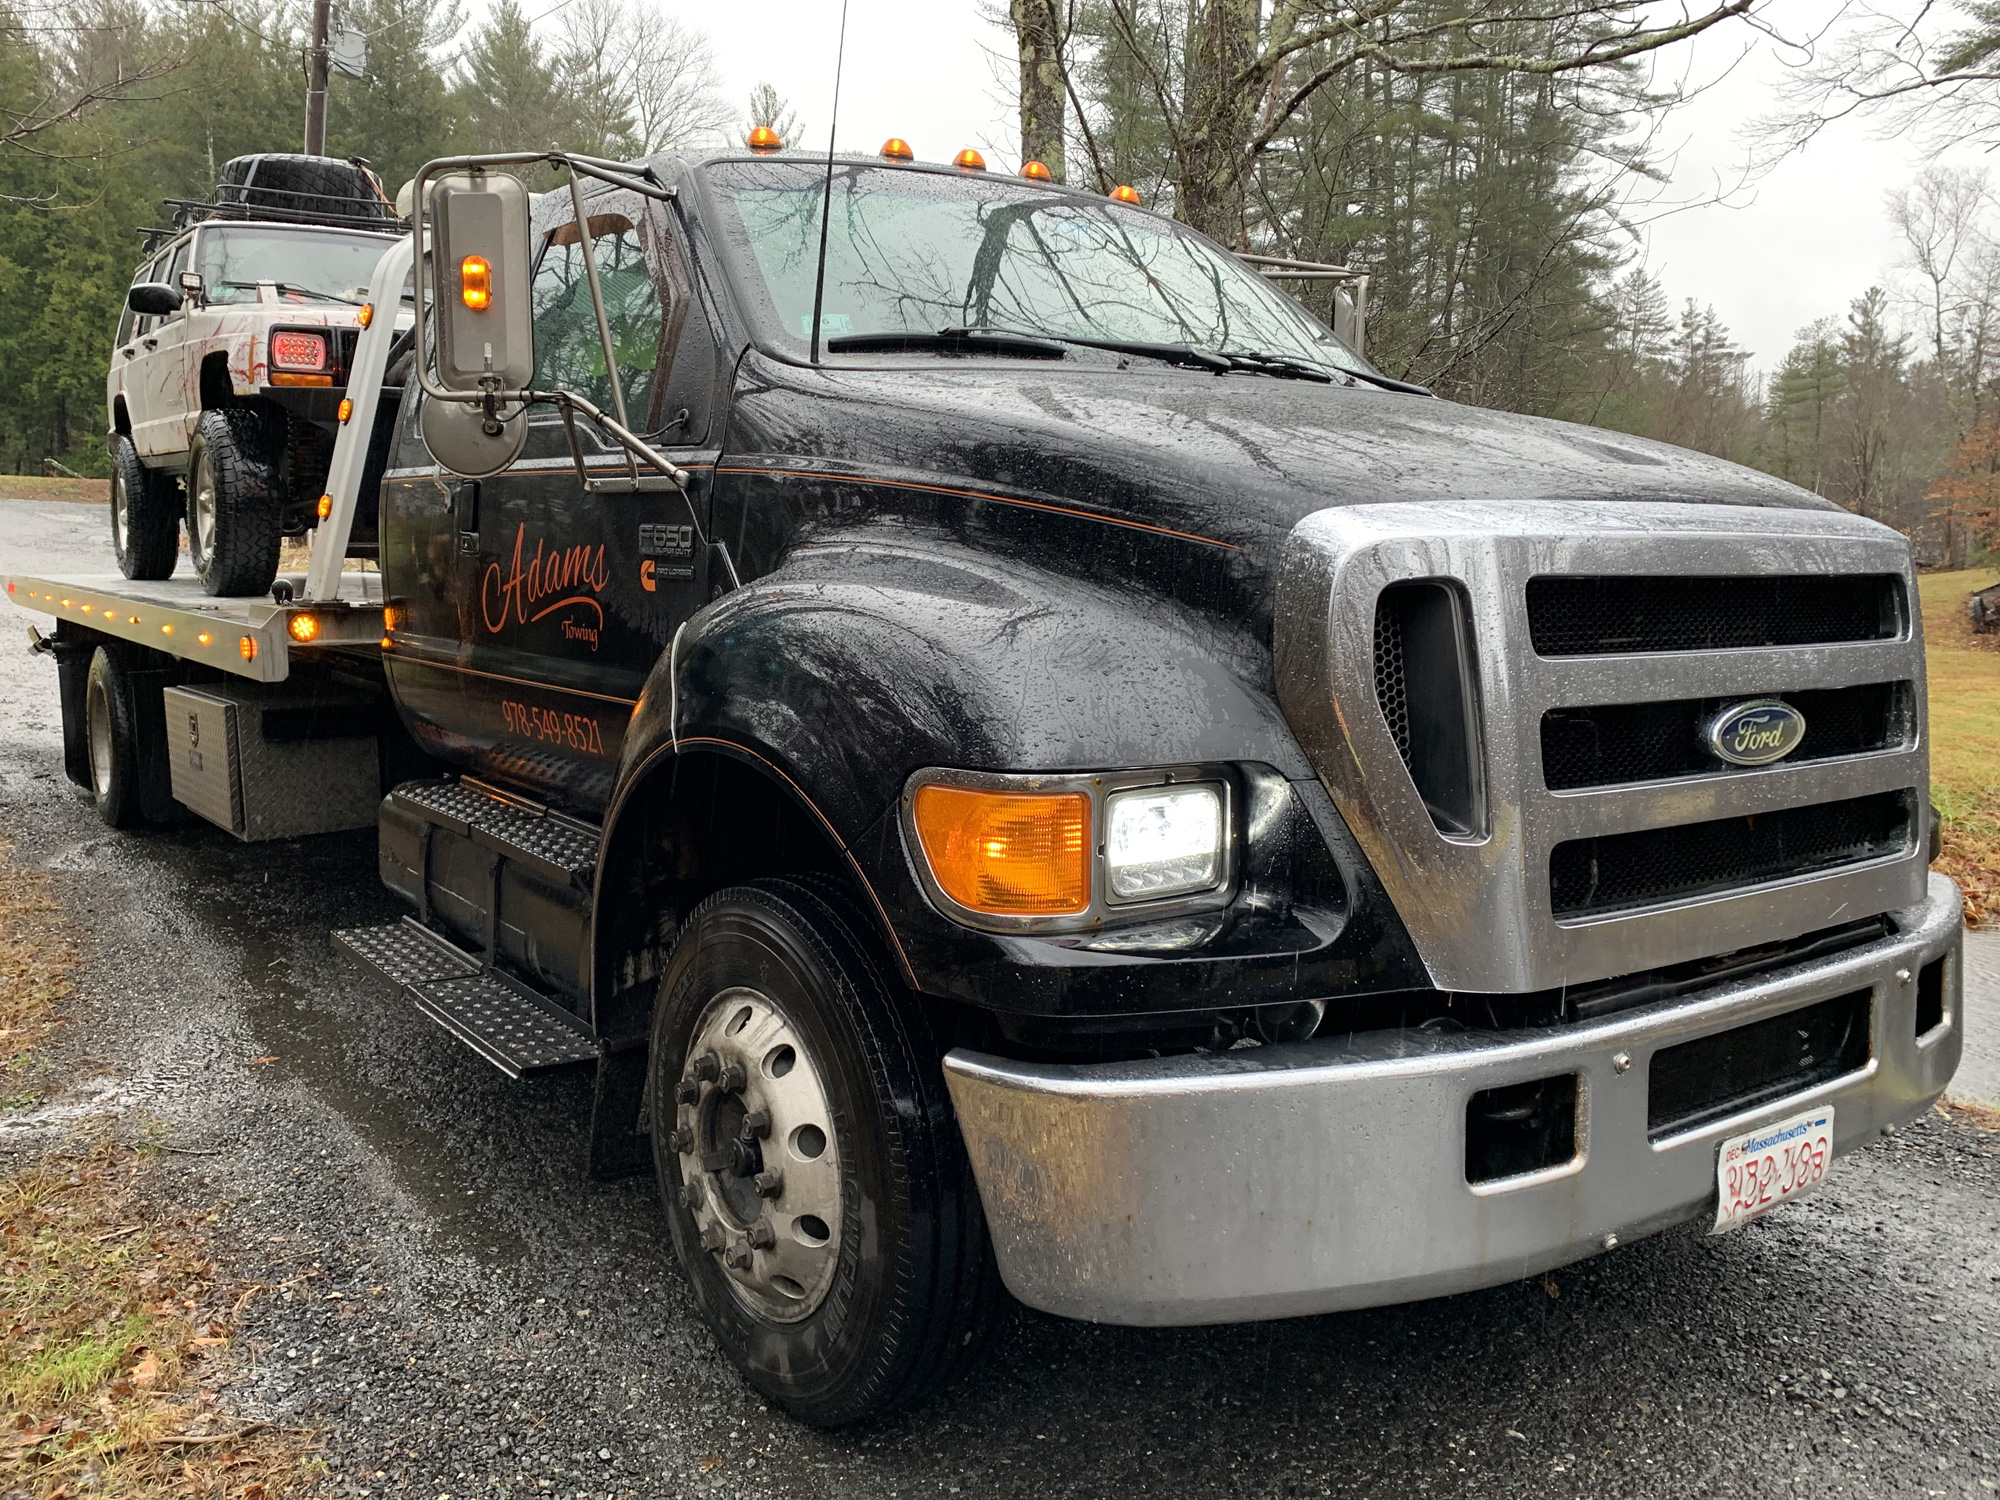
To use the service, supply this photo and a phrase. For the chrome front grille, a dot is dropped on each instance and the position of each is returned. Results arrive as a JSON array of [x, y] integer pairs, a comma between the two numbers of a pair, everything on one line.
[[1610, 840]]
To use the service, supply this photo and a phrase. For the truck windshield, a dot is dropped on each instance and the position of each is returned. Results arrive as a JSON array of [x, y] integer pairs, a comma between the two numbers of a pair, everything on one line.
[[305, 265], [918, 252]]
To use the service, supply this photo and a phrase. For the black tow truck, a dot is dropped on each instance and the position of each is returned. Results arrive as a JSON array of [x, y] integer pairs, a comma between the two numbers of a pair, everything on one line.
[[1018, 757]]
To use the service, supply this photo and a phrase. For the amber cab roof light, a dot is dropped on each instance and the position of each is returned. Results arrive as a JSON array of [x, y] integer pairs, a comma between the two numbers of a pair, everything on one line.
[[1126, 193], [969, 160], [897, 149], [1037, 171], [763, 139]]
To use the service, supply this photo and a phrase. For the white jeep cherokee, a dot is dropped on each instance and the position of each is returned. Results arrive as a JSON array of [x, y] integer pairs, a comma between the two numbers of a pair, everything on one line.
[[227, 377]]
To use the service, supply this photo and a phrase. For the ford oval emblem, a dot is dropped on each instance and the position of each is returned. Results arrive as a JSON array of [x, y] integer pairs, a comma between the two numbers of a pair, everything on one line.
[[1755, 734]]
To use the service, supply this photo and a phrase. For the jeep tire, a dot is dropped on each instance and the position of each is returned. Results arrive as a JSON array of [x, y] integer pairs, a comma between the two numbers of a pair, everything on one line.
[[234, 523], [816, 1191], [145, 515]]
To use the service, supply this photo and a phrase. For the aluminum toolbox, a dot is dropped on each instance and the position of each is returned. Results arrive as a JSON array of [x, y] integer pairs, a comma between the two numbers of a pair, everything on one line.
[[270, 767]]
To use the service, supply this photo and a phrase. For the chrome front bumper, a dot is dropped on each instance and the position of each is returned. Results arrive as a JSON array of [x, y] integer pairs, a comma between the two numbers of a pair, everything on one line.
[[1277, 1181]]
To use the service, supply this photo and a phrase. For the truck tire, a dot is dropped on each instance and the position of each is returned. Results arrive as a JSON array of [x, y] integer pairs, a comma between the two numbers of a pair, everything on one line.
[[111, 728], [145, 515], [859, 1278], [287, 182], [233, 503]]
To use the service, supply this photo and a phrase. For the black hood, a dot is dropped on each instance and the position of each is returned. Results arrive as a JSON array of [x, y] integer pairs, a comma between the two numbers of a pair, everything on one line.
[[1240, 458]]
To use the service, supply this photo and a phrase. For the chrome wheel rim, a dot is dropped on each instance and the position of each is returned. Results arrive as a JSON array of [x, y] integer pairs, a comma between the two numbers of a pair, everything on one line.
[[759, 1160], [201, 510], [97, 719], [121, 512]]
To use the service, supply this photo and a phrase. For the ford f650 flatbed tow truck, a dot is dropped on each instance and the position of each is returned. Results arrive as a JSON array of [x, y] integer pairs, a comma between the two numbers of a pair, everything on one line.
[[1017, 756]]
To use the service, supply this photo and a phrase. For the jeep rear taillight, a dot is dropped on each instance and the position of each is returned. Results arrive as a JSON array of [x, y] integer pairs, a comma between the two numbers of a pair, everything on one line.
[[298, 351]]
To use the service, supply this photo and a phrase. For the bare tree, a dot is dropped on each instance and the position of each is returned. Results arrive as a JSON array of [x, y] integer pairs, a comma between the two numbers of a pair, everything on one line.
[[64, 58], [670, 74], [1938, 218]]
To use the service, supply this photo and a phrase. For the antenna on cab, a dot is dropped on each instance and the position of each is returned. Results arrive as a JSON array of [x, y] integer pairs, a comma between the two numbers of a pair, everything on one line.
[[826, 195]]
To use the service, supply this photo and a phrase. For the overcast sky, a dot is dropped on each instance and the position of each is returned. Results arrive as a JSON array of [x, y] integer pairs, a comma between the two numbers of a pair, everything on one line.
[[1798, 245]]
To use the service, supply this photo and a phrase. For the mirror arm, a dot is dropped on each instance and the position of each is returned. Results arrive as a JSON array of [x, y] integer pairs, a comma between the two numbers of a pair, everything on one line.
[[588, 244]]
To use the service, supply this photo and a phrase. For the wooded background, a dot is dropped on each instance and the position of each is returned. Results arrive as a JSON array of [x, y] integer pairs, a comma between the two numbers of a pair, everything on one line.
[[1486, 165]]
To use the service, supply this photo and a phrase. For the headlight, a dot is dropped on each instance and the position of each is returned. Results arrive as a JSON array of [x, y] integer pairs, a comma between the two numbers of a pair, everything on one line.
[[1162, 841]]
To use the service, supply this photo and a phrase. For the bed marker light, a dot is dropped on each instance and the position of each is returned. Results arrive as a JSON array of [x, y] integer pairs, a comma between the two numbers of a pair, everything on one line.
[[166, 630], [1037, 171], [897, 149], [246, 647], [764, 140], [475, 282], [1126, 193], [346, 409], [969, 160], [325, 506], [302, 627], [205, 638]]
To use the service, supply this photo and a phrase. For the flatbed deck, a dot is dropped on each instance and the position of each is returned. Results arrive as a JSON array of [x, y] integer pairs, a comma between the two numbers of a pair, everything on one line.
[[252, 638]]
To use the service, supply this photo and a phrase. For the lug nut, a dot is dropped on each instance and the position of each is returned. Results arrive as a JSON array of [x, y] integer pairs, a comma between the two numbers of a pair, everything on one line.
[[682, 1141], [770, 1182], [691, 1195], [762, 1235], [732, 1079], [689, 1091], [707, 1066], [738, 1258], [712, 1238], [758, 1123]]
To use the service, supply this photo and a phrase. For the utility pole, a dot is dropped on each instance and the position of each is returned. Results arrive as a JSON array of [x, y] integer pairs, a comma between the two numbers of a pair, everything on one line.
[[316, 80]]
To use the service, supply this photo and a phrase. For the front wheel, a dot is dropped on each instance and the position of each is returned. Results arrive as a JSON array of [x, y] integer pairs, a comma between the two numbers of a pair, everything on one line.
[[817, 1193], [234, 528], [145, 515]]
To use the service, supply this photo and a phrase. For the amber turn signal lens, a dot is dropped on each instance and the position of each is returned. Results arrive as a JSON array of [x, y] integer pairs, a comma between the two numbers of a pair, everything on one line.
[[475, 282], [969, 160], [763, 139], [1125, 193], [303, 627], [346, 408], [1037, 171], [897, 149], [1007, 854], [246, 647]]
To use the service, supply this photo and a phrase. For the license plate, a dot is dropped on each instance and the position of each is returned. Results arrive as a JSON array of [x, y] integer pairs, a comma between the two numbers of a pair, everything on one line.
[[1754, 1173]]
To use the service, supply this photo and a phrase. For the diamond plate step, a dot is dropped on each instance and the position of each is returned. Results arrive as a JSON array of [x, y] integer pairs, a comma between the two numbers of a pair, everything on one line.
[[504, 1021], [555, 847]]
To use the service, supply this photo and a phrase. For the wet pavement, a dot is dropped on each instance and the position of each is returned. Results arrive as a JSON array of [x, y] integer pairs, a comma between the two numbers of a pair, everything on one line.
[[464, 1314]]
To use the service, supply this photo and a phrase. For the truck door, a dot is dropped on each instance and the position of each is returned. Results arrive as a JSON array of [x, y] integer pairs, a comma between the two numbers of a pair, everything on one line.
[[563, 599], [157, 377]]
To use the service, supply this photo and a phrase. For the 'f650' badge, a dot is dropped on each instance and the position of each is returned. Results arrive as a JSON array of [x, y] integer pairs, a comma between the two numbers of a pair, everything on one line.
[[1755, 734]]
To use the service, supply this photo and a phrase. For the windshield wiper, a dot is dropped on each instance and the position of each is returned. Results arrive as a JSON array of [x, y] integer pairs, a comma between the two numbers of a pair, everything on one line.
[[306, 291], [1390, 382], [947, 341]]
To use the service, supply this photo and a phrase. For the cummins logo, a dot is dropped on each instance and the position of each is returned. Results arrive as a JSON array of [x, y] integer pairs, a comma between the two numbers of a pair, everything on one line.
[[1756, 734]]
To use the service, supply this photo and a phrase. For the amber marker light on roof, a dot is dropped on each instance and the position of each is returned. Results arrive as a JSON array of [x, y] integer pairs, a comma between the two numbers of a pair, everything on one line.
[[246, 647], [1038, 171], [969, 160], [303, 627], [1007, 854], [366, 315], [897, 149], [475, 282], [1126, 193], [763, 140]]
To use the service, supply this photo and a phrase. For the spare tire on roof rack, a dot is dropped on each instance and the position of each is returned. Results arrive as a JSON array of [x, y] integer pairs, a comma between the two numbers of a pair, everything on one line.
[[289, 186]]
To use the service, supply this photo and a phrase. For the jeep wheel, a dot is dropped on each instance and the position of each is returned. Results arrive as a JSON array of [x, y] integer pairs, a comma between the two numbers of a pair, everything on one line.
[[145, 515], [816, 1190], [234, 527]]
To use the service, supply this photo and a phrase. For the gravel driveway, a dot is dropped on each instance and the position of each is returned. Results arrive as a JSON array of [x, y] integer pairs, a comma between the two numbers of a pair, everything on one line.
[[465, 1315]]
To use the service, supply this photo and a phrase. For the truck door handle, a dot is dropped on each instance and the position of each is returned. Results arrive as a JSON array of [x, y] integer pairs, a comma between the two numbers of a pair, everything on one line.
[[465, 505]]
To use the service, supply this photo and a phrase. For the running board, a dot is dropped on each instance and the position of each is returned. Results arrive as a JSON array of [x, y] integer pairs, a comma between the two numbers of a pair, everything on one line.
[[503, 1020]]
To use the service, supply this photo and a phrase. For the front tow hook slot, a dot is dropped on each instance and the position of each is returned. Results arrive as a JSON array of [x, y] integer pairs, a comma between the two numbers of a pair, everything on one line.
[[1521, 1129]]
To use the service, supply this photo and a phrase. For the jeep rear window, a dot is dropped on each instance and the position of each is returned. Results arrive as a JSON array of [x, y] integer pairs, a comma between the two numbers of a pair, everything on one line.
[[917, 252], [307, 266]]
